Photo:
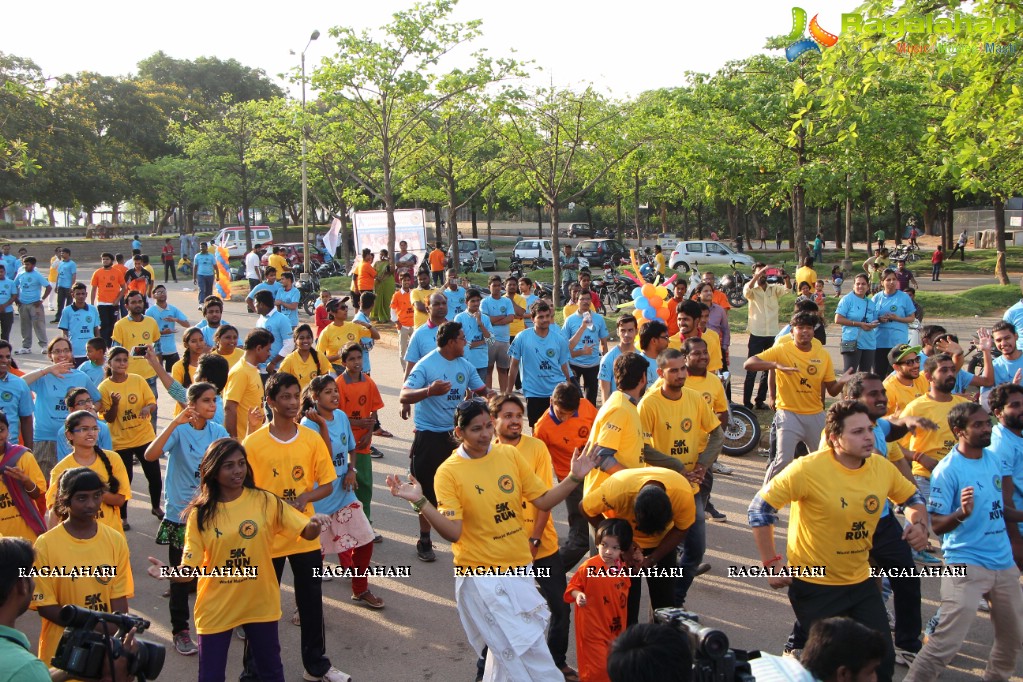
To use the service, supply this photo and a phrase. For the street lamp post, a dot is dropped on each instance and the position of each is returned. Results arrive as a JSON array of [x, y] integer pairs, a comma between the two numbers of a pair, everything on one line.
[[306, 261]]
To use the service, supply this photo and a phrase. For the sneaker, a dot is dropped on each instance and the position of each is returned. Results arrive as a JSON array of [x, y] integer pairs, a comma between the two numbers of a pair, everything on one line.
[[701, 569], [904, 657], [724, 470], [926, 559], [239, 632], [325, 574], [717, 516], [792, 653], [424, 550], [377, 539], [125, 525], [184, 645], [369, 599], [332, 675], [375, 453], [984, 605], [891, 620], [23, 351]]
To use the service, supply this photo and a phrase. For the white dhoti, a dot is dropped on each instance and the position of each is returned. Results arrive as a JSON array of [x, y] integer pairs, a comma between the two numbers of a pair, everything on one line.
[[509, 616]]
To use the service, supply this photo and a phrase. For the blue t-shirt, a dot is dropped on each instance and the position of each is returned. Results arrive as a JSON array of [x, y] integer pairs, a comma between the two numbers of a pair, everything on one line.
[[437, 413], [274, 289], [881, 430], [588, 339], [456, 301], [530, 300], [367, 343], [478, 357], [891, 334], [11, 265], [858, 309], [16, 401], [1005, 370], [80, 325], [184, 449], [422, 342], [342, 441], [204, 264], [104, 440], [208, 332], [66, 271], [1013, 315], [280, 326], [1009, 447], [168, 336], [292, 296], [51, 411], [980, 540], [498, 308], [30, 285], [93, 371], [607, 366], [540, 360], [136, 245], [7, 291]]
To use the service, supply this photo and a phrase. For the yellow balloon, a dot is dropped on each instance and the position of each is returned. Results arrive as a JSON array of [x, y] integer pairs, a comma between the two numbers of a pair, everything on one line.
[[662, 292]]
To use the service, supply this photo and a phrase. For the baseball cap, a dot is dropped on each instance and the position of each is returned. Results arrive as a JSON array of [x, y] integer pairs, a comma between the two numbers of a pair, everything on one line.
[[896, 355]]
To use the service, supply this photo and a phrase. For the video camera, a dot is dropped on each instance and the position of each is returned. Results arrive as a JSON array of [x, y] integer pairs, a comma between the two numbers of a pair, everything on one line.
[[82, 650], [713, 660]]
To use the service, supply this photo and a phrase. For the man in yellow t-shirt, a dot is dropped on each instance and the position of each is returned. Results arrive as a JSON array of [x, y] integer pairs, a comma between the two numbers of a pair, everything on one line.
[[277, 261], [905, 384], [420, 298], [511, 289], [293, 462], [801, 371], [617, 434], [837, 496], [243, 393], [709, 386], [927, 448], [664, 499], [137, 330], [659, 263], [340, 333]]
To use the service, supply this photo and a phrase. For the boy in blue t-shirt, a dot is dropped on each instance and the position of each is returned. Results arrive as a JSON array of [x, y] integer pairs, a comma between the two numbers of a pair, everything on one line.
[[80, 322], [30, 297], [95, 362]]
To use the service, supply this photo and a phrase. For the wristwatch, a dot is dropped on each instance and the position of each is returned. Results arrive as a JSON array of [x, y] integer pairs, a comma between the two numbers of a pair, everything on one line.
[[535, 542]]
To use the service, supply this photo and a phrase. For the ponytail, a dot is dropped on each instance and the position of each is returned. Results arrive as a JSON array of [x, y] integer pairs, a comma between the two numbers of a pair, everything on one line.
[[113, 485]]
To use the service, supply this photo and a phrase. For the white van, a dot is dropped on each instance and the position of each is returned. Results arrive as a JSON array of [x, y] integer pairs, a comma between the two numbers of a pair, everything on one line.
[[233, 238], [531, 249]]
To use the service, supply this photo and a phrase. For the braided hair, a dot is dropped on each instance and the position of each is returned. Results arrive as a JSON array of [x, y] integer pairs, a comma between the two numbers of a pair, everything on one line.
[[70, 424]]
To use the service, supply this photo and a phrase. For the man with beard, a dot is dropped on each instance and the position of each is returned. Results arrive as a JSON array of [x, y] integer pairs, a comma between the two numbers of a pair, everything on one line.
[[1009, 366], [627, 329], [905, 384], [967, 510], [1007, 440], [713, 391], [542, 354]]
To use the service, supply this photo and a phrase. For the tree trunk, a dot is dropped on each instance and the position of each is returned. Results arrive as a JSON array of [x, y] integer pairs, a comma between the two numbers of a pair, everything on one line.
[[618, 216], [456, 260], [949, 232], [799, 222], [539, 222], [635, 205], [664, 216], [589, 218], [699, 220], [733, 223], [472, 217], [755, 232], [491, 209], [898, 220], [869, 224], [556, 248], [1000, 273], [437, 223], [848, 232], [115, 213], [221, 216], [838, 226], [51, 214]]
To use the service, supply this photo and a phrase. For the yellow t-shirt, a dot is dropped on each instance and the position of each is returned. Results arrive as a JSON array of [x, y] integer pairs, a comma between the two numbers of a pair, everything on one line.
[[240, 536], [677, 428], [57, 548], [108, 515], [152, 273], [416, 295], [51, 276], [900, 395], [713, 340], [934, 444], [834, 512], [538, 458], [305, 370], [128, 430], [278, 263], [616, 497], [518, 325], [129, 334], [660, 263], [245, 387], [233, 358], [570, 309], [178, 374], [805, 274], [712, 390], [486, 495], [288, 470], [800, 391], [12, 523], [618, 428], [334, 338]]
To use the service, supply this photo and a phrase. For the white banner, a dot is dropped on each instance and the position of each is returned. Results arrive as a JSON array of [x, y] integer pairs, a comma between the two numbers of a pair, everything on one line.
[[409, 226], [332, 238]]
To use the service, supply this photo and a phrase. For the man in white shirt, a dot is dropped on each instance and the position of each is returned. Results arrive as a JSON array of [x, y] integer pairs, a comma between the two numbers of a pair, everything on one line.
[[763, 326], [253, 272]]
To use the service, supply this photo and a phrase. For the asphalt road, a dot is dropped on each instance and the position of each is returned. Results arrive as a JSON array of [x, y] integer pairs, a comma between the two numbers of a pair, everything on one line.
[[418, 635]]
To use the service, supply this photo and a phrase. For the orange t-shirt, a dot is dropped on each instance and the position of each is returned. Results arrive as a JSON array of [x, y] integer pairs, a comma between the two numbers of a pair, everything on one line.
[[436, 260], [107, 284], [366, 276], [562, 438], [598, 624], [401, 304], [121, 268], [358, 401]]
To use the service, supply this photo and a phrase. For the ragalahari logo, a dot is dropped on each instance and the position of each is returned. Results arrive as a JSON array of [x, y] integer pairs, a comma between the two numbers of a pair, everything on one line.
[[801, 43]]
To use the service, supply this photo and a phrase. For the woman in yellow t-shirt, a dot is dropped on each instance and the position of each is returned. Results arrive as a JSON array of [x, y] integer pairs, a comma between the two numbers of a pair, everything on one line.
[[226, 340], [492, 591], [242, 595], [81, 429], [305, 362], [22, 484], [126, 402], [96, 552], [184, 369]]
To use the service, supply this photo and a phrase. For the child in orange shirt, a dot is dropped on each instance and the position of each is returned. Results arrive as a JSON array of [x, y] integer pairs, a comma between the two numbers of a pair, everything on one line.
[[600, 590], [360, 400]]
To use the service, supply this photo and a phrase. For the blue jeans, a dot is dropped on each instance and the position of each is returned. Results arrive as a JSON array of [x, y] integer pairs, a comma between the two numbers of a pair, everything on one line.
[[205, 283], [693, 548]]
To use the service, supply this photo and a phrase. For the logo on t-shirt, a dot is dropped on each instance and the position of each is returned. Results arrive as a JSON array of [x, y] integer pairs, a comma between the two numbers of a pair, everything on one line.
[[6, 396], [584, 431], [506, 484], [871, 504], [997, 481], [687, 424], [104, 574], [550, 352], [297, 473], [362, 400], [460, 378], [145, 336], [248, 529], [811, 370], [132, 398]]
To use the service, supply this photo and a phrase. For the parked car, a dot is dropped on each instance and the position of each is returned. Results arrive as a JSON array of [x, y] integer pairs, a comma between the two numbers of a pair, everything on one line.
[[293, 252], [469, 249], [233, 238], [707, 252], [531, 249], [597, 251], [578, 230]]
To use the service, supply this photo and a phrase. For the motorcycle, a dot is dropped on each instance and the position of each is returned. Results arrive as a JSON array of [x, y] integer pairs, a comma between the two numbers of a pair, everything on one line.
[[742, 432], [333, 268], [515, 267], [309, 289], [732, 285]]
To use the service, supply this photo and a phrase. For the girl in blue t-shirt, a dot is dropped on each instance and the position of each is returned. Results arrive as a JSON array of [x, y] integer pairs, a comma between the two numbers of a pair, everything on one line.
[[349, 533]]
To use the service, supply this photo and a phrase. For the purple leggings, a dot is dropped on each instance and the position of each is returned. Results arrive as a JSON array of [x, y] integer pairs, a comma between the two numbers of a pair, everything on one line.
[[261, 643]]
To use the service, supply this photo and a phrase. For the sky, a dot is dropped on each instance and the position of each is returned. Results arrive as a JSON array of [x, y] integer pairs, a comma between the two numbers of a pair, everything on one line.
[[623, 48]]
